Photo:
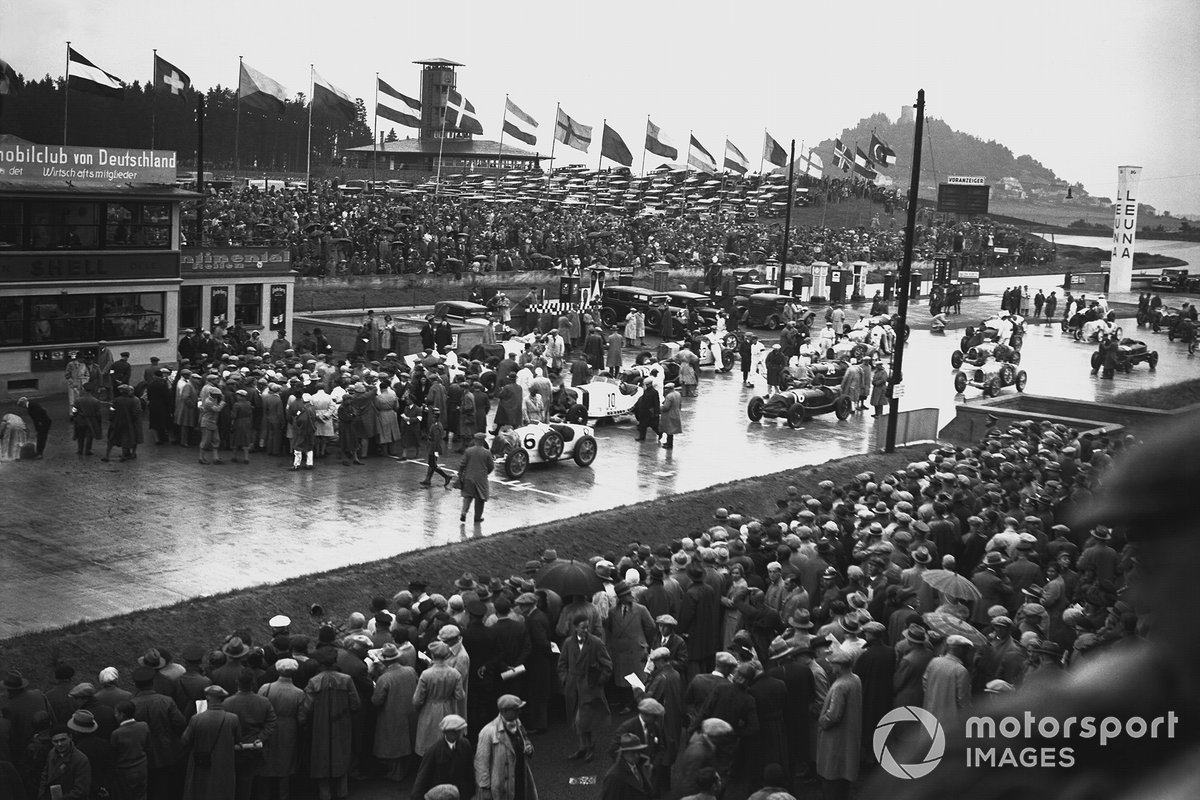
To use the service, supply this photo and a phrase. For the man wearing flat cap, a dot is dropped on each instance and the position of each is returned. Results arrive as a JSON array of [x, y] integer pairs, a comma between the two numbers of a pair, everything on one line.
[[451, 760], [209, 743], [947, 682], [503, 768], [839, 729]]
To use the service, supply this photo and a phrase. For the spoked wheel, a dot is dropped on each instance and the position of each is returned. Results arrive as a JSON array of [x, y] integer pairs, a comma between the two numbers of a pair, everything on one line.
[[843, 407], [754, 409], [1022, 379], [960, 383], [585, 451], [728, 357], [1096, 360], [1015, 358], [551, 446], [1154, 356], [991, 388], [516, 463], [797, 415], [1008, 374], [956, 359]]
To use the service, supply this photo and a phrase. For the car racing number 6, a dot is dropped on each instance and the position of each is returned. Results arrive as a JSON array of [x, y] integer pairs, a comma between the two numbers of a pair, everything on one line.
[[529, 442]]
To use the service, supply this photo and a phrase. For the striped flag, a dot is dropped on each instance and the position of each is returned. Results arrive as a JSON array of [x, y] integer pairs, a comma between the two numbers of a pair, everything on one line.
[[521, 125], [773, 152], [813, 166], [863, 166], [700, 158], [460, 114], [657, 142], [735, 159], [394, 106], [572, 133], [331, 102], [612, 146], [259, 91], [87, 77]]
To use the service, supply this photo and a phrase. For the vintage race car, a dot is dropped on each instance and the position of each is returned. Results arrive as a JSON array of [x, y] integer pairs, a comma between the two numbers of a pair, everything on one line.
[[1094, 329], [540, 443], [980, 353], [990, 331], [799, 404], [604, 400], [703, 346], [1129, 353], [991, 377]]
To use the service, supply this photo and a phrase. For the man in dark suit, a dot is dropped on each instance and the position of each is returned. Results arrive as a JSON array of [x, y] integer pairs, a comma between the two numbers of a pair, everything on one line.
[[647, 728], [451, 760], [513, 644], [703, 685], [731, 702], [166, 724], [627, 779], [699, 622], [483, 646], [797, 711], [129, 742], [540, 663], [584, 668]]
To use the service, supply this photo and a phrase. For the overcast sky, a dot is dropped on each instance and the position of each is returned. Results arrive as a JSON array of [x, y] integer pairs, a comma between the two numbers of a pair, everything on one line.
[[1081, 85]]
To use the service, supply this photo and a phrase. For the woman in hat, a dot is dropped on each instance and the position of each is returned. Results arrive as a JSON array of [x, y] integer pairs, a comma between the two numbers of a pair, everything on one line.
[[124, 424], [440, 692], [387, 404], [396, 717], [670, 422], [304, 424]]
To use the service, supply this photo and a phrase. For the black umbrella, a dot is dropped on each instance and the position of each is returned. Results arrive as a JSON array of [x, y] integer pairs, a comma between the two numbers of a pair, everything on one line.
[[569, 578], [316, 233], [311, 226]]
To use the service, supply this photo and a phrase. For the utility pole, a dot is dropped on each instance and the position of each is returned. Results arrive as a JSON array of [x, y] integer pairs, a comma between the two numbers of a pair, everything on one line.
[[900, 323]]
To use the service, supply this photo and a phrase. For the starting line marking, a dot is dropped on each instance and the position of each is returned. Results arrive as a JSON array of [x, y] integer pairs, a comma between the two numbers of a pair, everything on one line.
[[515, 485]]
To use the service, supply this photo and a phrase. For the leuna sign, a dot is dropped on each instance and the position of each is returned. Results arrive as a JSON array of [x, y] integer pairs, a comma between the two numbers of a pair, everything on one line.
[[49, 164], [1124, 228]]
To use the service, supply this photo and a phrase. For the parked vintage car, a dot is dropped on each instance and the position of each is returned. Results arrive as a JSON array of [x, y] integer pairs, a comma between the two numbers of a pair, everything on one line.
[[990, 378], [544, 443], [980, 353], [766, 310], [799, 404], [1130, 352], [617, 301], [685, 302], [463, 310]]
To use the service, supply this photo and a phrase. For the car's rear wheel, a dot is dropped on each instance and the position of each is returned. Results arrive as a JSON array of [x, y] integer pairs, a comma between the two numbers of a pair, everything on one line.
[[728, 357], [1096, 359], [842, 407], [956, 359], [515, 463], [585, 451], [796, 415], [653, 319], [960, 383], [772, 323], [608, 317], [1008, 374], [991, 388], [1022, 379], [550, 447], [577, 414], [754, 409], [1154, 356], [1015, 358]]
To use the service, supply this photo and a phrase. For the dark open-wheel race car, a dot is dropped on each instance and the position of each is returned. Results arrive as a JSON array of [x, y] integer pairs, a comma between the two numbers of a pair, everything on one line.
[[991, 377], [982, 352], [799, 404], [1130, 352]]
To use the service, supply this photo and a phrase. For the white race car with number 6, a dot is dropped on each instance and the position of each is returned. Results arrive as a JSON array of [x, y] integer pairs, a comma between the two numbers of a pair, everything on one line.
[[540, 442]]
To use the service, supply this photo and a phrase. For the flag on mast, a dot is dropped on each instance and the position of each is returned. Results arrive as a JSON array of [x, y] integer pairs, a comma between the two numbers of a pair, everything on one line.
[[87, 77], [700, 158], [881, 153], [812, 165], [773, 152], [170, 78], [841, 156], [572, 133], [735, 160], [260, 91], [658, 143], [460, 114], [331, 102], [612, 146], [863, 166], [397, 107], [521, 125]]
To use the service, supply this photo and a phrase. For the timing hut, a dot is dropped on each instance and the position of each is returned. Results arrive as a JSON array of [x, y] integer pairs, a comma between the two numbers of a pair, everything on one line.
[[459, 150]]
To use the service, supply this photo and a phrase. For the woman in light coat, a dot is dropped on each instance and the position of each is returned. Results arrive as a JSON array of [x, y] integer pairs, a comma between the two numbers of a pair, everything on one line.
[[281, 752], [386, 406], [396, 720], [631, 328], [322, 404], [439, 692]]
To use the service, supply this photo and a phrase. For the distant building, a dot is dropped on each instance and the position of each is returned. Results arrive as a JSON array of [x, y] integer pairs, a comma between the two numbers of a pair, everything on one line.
[[907, 114], [458, 150]]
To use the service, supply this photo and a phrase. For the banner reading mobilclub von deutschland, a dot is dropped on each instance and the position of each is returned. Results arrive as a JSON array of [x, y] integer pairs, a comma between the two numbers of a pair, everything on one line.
[[25, 162], [1120, 275]]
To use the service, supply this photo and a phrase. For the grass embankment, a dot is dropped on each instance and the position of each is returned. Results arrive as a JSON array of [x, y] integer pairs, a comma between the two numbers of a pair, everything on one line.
[[1165, 398], [117, 641]]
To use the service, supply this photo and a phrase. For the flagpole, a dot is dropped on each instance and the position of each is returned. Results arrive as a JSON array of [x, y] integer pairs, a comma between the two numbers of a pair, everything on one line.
[[437, 189], [643, 171], [375, 136], [237, 125], [686, 172], [66, 93], [599, 161], [787, 222], [500, 149], [200, 168], [553, 140], [763, 156], [308, 160]]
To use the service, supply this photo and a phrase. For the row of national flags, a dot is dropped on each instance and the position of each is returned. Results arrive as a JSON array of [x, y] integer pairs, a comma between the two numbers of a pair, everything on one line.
[[261, 92]]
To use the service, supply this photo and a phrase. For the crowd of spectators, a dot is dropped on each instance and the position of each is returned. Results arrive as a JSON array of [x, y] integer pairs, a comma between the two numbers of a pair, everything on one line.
[[762, 650]]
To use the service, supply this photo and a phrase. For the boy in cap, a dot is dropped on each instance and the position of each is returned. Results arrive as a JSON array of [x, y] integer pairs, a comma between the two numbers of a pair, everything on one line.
[[449, 762]]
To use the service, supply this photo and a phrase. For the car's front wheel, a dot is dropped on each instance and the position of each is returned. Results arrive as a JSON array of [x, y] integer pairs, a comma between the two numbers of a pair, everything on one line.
[[960, 383], [515, 463], [550, 447], [843, 407], [585, 451], [797, 415], [754, 409]]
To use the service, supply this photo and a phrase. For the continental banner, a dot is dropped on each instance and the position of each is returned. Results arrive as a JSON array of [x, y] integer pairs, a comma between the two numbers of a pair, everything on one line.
[[1124, 228], [49, 164], [233, 261]]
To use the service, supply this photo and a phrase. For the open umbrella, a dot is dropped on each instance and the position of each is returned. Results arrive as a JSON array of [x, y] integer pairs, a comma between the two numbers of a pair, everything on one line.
[[948, 624], [569, 578], [951, 584]]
